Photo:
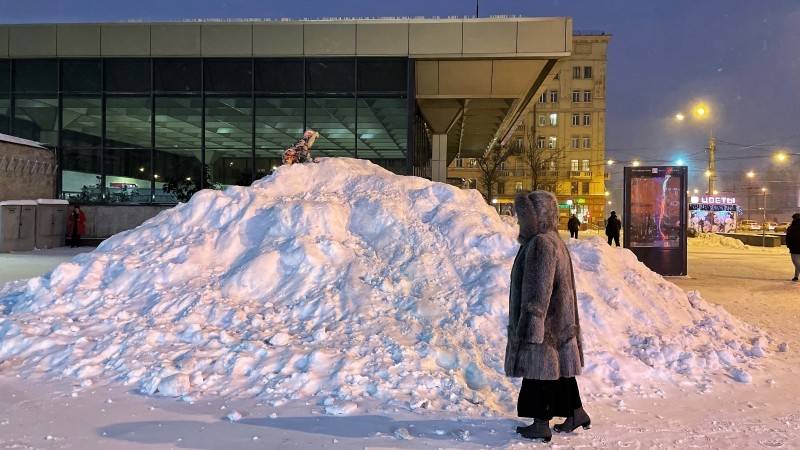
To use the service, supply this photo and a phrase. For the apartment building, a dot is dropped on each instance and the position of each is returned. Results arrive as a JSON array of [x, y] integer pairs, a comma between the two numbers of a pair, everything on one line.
[[566, 130]]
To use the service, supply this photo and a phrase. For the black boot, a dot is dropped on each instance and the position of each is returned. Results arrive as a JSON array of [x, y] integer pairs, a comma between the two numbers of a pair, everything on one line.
[[579, 418], [539, 429]]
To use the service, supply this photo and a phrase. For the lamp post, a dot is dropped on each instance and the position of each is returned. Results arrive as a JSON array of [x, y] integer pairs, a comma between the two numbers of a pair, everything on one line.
[[701, 112], [750, 176]]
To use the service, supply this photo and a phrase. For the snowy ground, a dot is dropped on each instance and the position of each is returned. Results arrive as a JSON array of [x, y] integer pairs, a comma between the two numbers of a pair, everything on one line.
[[750, 283]]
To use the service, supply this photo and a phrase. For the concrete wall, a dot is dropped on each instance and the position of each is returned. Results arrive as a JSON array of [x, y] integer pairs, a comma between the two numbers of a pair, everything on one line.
[[26, 173], [103, 221], [419, 38]]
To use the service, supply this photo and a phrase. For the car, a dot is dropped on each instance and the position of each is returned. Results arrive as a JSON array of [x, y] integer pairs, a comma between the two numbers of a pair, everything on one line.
[[771, 226], [749, 225], [782, 227]]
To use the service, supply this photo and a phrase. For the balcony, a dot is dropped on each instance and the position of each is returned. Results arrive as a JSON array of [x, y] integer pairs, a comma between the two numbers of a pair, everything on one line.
[[580, 174]]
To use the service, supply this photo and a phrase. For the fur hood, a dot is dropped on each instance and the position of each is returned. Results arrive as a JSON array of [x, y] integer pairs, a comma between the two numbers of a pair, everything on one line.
[[537, 213]]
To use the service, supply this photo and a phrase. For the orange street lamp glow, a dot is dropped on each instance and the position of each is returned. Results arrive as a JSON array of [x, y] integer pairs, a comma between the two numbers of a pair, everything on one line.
[[751, 174], [701, 111], [781, 156], [610, 162], [636, 163], [716, 192], [708, 173]]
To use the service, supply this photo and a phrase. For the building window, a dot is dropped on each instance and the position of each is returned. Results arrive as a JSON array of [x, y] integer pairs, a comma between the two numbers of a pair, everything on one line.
[[576, 96], [585, 188], [459, 163], [587, 72], [517, 186], [540, 142], [587, 119], [587, 96], [585, 165], [551, 142], [542, 120], [573, 165], [576, 142], [553, 96], [553, 119], [587, 142], [543, 97], [500, 188], [576, 120], [552, 165], [576, 72]]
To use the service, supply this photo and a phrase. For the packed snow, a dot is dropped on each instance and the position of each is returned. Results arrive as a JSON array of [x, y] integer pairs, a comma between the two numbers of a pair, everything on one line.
[[339, 282], [716, 240]]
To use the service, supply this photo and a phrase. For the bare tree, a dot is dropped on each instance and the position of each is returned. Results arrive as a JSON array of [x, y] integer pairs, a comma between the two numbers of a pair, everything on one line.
[[539, 160], [490, 164]]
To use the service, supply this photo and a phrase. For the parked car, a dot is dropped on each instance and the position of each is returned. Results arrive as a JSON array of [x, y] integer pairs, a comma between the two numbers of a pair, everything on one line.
[[749, 225], [771, 226], [782, 227]]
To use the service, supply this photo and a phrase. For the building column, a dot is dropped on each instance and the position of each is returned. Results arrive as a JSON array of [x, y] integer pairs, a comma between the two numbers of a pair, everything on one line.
[[439, 157]]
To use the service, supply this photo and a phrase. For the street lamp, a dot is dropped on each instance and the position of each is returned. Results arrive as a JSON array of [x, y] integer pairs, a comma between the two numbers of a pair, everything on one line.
[[702, 112], [679, 117], [610, 162], [764, 222], [751, 174], [781, 156], [636, 163], [696, 191]]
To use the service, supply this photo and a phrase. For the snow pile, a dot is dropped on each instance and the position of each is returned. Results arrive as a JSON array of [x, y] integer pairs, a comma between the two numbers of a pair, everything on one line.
[[344, 282], [716, 241]]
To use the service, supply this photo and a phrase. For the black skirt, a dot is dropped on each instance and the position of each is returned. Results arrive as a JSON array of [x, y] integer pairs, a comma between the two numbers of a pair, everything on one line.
[[545, 399]]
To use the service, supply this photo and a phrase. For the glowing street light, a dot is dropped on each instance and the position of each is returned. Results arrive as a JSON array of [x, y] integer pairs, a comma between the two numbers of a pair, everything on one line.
[[763, 189], [679, 162], [609, 202], [751, 174], [701, 111], [708, 173], [716, 192], [679, 117], [610, 162], [636, 164], [607, 193], [696, 191], [781, 156]]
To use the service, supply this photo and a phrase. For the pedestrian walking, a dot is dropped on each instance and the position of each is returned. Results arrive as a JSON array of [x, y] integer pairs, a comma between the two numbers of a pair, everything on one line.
[[544, 336], [613, 226], [793, 242], [573, 225], [76, 226]]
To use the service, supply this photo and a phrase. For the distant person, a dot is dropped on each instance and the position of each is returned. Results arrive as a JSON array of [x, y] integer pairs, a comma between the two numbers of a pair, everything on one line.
[[573, 225], [793, 242], [76, 226], [613, 226], [544, 336]]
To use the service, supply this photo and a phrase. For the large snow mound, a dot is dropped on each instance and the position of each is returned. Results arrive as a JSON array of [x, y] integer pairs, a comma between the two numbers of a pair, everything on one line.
[[344, 282], [713, 240]]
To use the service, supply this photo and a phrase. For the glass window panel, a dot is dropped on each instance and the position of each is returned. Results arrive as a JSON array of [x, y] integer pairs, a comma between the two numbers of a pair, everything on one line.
[[279, 76], [330, 76], [334, 119], [178, 122], [80, 75], [5, 115], [81, 122], [266, 164], [230, 166], [5, 78], [36, 119], [382, 75], [127, 74], [382, 128], [80, 178], [128, 175], [35, 75], [228, 75], [279, 124], [128, 122], [177, 174], [176, 75], [229, 122]]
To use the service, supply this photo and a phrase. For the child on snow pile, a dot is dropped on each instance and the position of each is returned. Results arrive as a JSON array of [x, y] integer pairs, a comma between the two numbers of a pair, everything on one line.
[[301, 151]]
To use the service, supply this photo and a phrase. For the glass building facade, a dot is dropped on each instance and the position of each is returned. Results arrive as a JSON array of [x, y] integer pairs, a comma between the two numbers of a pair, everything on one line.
[[132, 130]]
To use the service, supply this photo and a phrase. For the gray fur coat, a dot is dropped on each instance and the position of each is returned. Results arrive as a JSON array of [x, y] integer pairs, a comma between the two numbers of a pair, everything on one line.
[[544, 335]]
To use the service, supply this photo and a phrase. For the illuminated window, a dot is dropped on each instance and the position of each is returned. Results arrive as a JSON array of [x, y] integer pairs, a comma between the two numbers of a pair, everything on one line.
[[551, 142], [518, 186], [540, 142], [587, 142], [553, 119], [585, 165], [573, 165], [576, 142], [542, 120]]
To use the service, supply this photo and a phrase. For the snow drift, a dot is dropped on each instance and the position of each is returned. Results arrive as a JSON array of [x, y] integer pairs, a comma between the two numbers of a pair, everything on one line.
[[343, 282]]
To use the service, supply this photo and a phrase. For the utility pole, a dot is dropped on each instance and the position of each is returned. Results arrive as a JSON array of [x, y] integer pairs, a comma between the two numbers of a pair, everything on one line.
[[712, 165], [764, 223], [477, 5]]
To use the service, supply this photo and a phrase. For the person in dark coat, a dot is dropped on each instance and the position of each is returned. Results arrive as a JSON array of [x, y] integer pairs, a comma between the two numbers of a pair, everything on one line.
[[613, 226], [573, 225], [793, 242], [76, 226], [544, 336]]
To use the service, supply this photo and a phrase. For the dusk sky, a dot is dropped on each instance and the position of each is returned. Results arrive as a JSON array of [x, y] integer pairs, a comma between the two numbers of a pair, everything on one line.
[[742, 57]]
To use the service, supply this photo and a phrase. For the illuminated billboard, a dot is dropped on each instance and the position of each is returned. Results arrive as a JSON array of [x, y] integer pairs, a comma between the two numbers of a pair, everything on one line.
[[655, 217]]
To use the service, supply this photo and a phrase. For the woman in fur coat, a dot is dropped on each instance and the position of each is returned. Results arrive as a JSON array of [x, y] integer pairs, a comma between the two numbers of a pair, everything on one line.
[[544, 336]]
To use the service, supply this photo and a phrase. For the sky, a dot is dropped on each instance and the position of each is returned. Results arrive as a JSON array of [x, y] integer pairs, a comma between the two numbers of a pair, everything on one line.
[[741, 57]]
